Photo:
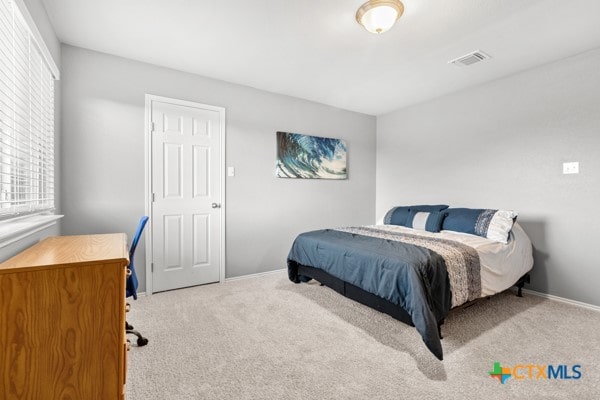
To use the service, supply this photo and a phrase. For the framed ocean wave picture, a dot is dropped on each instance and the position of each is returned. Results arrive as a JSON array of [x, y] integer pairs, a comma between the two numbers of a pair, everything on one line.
[[310, 157]]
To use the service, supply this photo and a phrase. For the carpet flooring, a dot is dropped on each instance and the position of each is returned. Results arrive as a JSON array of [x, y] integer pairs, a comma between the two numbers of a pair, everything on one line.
[[267, 338]]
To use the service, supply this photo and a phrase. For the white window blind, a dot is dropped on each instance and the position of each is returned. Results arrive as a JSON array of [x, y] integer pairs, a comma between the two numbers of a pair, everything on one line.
[[26, 119]]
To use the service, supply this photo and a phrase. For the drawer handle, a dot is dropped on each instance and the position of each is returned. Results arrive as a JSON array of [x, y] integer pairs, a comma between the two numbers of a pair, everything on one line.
[[128, 272], [127, 307]]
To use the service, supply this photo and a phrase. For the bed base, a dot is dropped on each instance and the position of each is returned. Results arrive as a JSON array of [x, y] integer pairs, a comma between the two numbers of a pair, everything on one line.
[[521, 282], [355, 293], [370, 300]]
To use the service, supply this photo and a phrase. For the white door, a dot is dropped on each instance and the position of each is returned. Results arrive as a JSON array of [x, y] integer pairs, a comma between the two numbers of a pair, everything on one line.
[[186, 172]]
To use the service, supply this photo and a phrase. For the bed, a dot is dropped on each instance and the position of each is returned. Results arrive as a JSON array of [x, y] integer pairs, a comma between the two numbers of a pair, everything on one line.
[[414, 275]]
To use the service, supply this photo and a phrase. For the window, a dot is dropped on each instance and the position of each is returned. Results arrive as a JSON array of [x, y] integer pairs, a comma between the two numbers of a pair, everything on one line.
[[26, 118]]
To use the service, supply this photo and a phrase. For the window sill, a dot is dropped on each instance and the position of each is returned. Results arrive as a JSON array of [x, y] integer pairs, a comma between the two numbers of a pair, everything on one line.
[[12, 231]]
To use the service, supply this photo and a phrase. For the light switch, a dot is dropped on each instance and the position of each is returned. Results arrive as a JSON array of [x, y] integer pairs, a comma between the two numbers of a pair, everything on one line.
[[571, 168], [230, 171]]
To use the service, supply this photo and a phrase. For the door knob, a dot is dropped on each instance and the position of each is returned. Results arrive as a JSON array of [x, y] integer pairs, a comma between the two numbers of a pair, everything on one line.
[[216, 205]]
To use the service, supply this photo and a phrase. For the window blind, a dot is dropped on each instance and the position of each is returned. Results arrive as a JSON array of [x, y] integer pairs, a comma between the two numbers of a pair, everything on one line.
[[26, 119]]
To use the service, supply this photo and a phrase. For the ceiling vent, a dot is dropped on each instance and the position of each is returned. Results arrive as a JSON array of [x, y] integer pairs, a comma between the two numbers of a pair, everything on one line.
[[470, 59]]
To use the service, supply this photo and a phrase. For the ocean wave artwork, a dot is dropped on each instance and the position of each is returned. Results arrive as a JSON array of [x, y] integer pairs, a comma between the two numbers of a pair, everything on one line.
[[310, 157]]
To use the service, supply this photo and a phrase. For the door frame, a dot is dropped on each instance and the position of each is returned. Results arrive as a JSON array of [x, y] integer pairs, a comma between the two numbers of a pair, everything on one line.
[[150, 98]]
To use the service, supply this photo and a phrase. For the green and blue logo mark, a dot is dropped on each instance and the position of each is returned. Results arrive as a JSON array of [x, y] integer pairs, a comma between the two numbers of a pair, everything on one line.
[[535, 371]]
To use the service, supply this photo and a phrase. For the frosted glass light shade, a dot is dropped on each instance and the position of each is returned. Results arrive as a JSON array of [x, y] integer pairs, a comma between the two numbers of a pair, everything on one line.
[[378, 16]]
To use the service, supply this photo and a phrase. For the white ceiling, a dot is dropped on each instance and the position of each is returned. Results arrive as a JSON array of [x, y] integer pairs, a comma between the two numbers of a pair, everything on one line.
[[315, 50]]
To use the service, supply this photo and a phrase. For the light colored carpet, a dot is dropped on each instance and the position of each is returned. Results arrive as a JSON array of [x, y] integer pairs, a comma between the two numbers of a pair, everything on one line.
[[267, 338]]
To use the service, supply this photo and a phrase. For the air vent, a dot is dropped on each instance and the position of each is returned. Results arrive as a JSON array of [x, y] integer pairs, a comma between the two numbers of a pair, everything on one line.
[[470, 59]]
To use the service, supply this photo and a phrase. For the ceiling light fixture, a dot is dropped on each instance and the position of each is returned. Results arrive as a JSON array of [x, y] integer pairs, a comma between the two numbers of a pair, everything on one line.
[[378, 16]]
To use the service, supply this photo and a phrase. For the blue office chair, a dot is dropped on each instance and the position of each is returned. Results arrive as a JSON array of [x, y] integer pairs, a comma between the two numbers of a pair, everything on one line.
[[132, 281]]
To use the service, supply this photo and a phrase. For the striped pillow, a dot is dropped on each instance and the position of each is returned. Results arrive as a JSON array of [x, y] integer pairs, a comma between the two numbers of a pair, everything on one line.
[[491, 224], [425, 221], [399, 215]]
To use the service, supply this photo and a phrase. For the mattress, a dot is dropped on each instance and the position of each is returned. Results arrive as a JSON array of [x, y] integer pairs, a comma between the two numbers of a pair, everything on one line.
[[501, 264]]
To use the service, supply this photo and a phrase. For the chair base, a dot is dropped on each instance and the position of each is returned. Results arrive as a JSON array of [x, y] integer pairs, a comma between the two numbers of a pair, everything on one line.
[[141, 341]]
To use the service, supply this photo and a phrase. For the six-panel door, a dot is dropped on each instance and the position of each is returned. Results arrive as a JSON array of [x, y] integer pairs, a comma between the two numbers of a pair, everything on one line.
[[186, 189]]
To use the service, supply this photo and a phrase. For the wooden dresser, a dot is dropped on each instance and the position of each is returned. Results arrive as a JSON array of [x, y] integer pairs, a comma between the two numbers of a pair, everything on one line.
[[62, 320]]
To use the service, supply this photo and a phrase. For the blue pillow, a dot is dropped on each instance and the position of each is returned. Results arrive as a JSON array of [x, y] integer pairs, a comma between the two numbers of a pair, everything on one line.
[[491, 224], [399, 215], [425, 221]]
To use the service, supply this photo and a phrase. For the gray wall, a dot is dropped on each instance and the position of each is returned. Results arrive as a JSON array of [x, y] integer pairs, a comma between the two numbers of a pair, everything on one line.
[[502, 145], [38, 13], [103, 158]]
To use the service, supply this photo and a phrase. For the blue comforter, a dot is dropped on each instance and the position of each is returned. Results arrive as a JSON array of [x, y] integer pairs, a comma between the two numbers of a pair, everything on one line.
[[411, 276]]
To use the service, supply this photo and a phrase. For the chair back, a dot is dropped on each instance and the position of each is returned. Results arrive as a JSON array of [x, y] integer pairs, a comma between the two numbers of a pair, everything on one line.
[[132, 281]]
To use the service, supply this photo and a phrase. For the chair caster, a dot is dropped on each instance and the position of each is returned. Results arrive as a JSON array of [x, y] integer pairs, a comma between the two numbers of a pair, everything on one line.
[[142, 341]]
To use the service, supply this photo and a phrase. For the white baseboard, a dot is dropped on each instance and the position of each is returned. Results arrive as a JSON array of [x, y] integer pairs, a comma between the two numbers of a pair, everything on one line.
[[562, 299], [237, 278], [527, 291]]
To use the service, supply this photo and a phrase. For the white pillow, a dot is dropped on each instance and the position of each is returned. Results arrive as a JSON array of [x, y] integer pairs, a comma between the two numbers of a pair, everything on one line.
[[500, 225]]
